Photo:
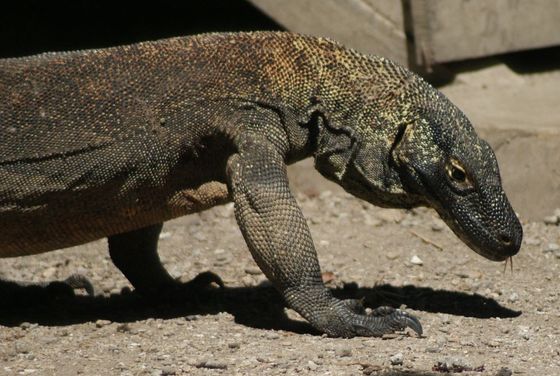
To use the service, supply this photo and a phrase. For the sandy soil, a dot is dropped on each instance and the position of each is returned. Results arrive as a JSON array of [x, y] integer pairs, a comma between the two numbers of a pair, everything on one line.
[[475, 314]]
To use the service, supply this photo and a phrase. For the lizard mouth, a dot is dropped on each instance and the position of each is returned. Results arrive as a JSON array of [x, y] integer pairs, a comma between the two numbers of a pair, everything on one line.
[[478, 238]]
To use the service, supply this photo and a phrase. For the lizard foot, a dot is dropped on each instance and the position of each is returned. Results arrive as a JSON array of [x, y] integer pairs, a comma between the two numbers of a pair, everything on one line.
[[64, 288], [177, 290], [348, 318]]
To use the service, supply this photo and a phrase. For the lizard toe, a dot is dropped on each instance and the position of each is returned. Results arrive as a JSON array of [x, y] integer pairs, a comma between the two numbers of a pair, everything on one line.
[[347, 320]]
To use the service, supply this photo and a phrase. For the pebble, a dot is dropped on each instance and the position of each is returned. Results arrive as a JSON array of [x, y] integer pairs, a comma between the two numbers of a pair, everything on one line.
[[551, 220], [253, 270], [167, 371], [312, 365], [344, 351], [397, 359], [123, 328], [433, 349], [551, 247], [438, 225], [513, 297], [211, 364], [454, 362], [272, 335], [22, 347], [415, 260], [392, 255], [234, 345], [49, 273], [101, 323], [504, 372], [26, 325]]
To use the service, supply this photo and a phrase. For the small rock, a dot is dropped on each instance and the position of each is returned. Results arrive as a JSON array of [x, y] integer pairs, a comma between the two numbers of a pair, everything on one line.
[[551, 220], [415, 260], [445, 319], [312, 365], [344, 351], [272, 335], [253, 270], [433, 349], [524, 332], [513, 297], [168, 371], [387, 336], [397, 359], [49, 272], [551, 247], [22, 347], [437, 225], [164, 235], [211, 364], [123, 328], [392, 255], [504, 372], [47, 340], [234, 345], [25, 325], [101, 323], [455, 364]]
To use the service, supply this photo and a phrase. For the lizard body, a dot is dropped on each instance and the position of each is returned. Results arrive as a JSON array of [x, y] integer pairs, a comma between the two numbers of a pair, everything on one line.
[[113, 142]]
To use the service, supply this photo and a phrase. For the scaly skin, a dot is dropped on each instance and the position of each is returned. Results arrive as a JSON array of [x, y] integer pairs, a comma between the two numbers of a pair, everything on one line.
[[113, 142]]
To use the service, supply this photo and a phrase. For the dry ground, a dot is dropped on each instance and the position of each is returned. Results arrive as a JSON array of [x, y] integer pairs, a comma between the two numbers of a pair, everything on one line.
[[474, 313]]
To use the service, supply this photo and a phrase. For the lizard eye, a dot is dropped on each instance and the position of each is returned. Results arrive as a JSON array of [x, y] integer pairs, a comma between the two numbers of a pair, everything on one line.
[[456, 171]]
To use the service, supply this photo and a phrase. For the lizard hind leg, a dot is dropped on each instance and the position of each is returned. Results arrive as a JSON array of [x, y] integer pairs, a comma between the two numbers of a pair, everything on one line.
[[135, 254]]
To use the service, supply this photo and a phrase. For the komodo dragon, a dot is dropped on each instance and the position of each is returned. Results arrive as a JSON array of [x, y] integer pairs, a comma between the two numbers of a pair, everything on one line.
[[113, 142]]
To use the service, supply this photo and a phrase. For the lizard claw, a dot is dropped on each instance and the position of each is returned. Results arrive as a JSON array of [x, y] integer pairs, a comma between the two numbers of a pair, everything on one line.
[[205, 279], [347, 319], [79, 281]]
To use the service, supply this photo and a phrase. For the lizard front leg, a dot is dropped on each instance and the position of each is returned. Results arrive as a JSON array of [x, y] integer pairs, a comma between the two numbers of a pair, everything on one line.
[[279, 239]]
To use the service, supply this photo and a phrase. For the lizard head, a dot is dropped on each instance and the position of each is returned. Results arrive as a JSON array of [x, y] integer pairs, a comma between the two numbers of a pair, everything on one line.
[[440, 158], [404, 144]]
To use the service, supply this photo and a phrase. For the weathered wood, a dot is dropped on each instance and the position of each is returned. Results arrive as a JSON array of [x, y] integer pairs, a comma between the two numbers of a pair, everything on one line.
[[448, 30], [424, 32], [366, 25]]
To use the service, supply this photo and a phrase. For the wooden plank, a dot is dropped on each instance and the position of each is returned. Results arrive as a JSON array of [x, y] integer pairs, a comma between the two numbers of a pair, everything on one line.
[[447, 30], [367, 25]]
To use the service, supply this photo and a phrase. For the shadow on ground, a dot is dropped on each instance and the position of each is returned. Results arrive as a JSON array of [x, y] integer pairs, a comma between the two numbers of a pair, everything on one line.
[[257, 307]]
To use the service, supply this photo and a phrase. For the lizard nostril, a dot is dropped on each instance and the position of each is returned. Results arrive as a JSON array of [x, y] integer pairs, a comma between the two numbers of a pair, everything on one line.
[[505, 239]]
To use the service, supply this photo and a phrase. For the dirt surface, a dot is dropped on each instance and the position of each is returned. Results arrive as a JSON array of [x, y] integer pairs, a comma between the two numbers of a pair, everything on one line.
[[475, 315]]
